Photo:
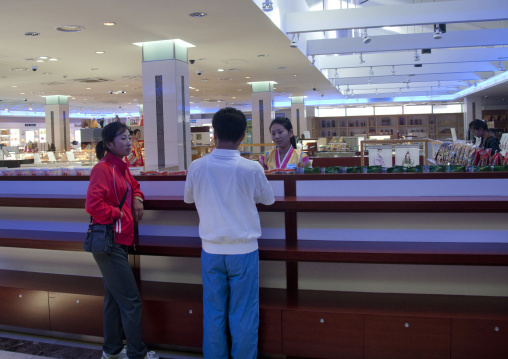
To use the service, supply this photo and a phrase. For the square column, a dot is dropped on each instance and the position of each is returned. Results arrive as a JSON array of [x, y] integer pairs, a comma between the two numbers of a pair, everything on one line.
[[472, 111], [58, 132], [166, 107], [262, 111], [298, 115]]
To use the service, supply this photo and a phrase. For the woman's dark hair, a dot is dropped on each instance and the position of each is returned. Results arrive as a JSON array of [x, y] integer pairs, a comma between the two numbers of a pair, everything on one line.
[[478, 124], [109, 132], [229, 124], [284, 121]]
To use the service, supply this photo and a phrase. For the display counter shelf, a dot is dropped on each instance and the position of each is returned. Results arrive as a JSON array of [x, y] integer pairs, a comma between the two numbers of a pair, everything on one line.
[[421, 226]]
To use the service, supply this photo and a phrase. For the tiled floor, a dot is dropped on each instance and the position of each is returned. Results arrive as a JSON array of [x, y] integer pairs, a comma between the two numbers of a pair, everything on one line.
[[11, 355], [22, 346]]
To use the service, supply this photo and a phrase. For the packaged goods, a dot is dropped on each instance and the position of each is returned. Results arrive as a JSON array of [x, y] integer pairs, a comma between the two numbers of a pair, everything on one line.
[[68, 171], [55, 171], [485, 157], [437, 168], [148, 173], [414, 169], [177, 173], [23, 172], [496, 159], [333, 169], [83, 171], [312, 170], [356, 169], [374, 169], [457, 168], [9, 172]]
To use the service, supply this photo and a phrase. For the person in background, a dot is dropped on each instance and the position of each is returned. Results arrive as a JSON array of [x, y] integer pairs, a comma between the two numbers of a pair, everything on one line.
[[285, 155], [110, 179], [135, 158], [481, 130], [225, 188]]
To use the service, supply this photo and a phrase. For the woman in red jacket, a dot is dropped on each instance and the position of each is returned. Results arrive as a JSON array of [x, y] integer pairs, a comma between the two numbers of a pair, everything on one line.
[[109, 181]]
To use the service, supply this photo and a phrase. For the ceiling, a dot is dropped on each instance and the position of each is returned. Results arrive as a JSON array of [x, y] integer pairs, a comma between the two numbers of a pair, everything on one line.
[[330, 65]]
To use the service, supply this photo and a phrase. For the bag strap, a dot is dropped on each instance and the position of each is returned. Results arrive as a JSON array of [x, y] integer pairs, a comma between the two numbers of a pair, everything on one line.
[[119, 206]]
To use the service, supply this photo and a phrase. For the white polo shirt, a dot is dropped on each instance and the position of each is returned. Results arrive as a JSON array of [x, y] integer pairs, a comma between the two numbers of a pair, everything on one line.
[[226, 188]]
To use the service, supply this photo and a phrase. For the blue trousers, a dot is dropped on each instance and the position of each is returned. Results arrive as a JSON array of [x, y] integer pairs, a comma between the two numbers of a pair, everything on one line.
[[230, 299], [122, 304]]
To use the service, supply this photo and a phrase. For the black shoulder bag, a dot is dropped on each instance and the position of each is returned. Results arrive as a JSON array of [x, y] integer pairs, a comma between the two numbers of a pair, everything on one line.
[[100, 237]]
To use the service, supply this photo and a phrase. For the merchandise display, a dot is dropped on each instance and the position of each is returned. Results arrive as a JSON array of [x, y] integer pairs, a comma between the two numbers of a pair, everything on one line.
[[468, 154]]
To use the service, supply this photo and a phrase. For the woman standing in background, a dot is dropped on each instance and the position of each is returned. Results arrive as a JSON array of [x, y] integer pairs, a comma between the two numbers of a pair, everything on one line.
[[285, 156]]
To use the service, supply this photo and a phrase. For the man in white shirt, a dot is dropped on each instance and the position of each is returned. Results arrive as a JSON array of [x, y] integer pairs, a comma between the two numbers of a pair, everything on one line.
[[225, 188]]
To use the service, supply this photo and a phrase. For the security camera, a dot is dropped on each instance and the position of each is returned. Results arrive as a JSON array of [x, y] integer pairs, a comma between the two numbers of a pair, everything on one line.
[[34, 68], [110, 92], [199, 73], [26, 100], [192, 61], [314, 89]]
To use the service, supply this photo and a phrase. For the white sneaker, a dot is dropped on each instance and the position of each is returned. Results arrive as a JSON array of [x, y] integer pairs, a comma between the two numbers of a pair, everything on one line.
[[151, 355], [121, 355]]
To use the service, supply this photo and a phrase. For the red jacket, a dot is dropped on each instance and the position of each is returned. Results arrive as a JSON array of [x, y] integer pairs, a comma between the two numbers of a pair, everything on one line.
[[108, 183]]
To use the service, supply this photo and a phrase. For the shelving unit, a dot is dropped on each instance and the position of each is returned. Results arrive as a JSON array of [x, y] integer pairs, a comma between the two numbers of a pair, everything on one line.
[[295, 320], [435, 126], [5, 137]]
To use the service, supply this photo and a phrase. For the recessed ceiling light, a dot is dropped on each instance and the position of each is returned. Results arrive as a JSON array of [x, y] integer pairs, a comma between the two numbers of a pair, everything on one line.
[[197, 14], [14, 86], [88, 88], [53, 59], [32, 33], [247, 77], [111, 23], [100, 52], [43, 57], [220, 70], [70, 28]]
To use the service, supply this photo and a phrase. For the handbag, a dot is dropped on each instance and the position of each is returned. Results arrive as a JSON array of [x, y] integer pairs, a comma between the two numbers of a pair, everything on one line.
[[100, 237]]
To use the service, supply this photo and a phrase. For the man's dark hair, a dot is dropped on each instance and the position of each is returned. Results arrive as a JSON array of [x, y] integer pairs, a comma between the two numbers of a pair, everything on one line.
[[229, 124], [478, 124], [135, 132]]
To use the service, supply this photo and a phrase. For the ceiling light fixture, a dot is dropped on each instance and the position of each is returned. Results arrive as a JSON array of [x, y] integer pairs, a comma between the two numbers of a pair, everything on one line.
[[197, 14], [100, 52], [32, 33], [267, 5], [439, 30], [70, 28], [294, 41], [417, 57], [110, 23], [366, 38]]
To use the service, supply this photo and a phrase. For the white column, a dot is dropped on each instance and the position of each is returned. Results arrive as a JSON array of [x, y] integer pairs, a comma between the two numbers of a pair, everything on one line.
[[298, 115], [166, 107], [472, 111], [262, 111], [58, 131]]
